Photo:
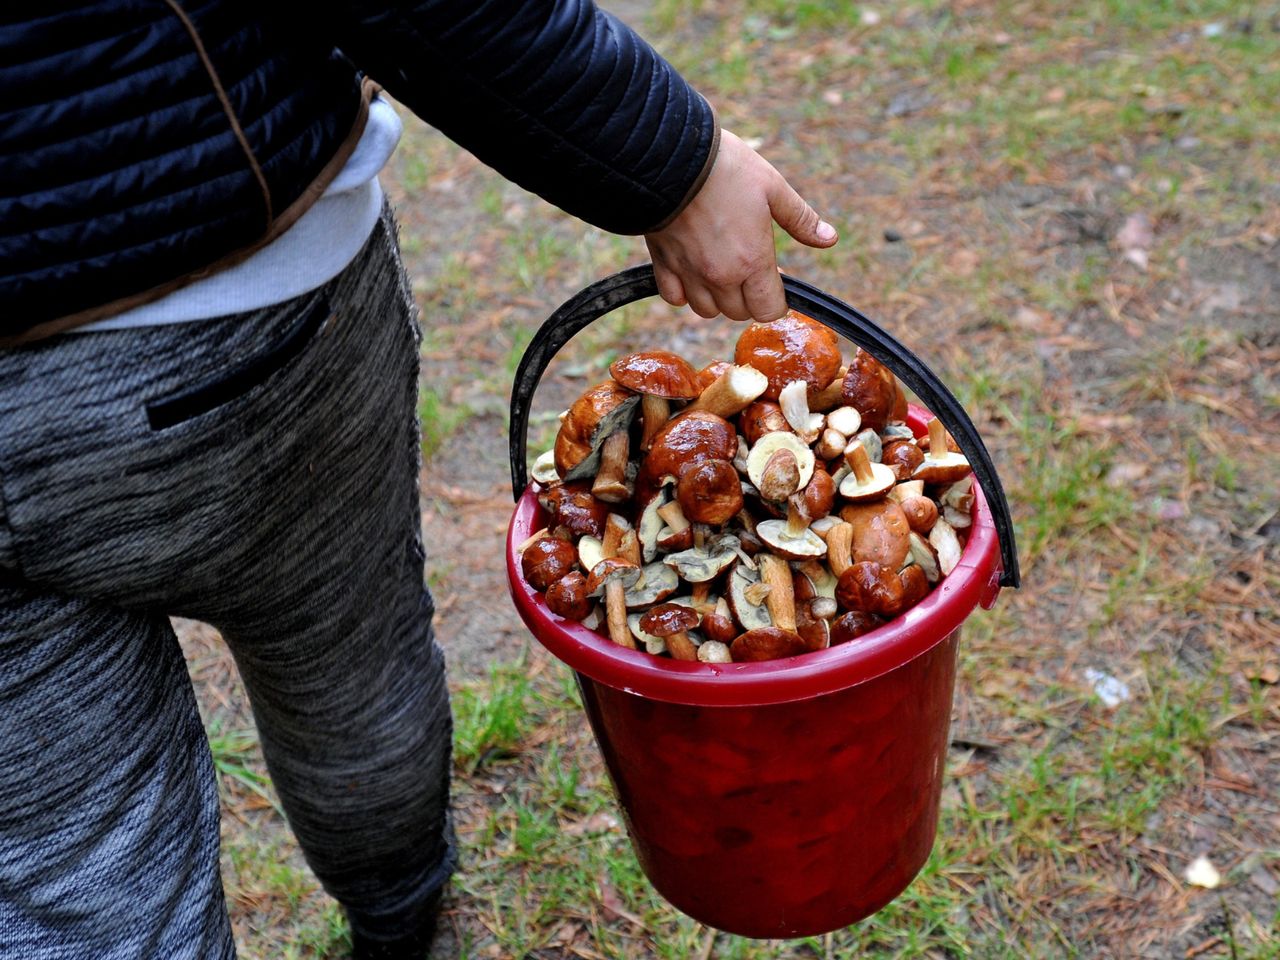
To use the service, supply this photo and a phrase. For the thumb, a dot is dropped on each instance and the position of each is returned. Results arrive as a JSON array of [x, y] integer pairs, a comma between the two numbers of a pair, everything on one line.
[[798, 218]]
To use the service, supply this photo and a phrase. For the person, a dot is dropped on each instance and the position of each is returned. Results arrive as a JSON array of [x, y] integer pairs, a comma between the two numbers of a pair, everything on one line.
[[208, 381]]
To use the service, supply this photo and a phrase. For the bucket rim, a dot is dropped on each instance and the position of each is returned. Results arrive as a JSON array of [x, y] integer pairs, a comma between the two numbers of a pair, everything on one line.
[[974, 581]]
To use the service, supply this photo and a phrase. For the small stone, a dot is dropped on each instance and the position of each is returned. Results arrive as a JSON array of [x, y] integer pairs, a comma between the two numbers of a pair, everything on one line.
[[1212, 30], [869, 18], [1202, 873], [833, 97], [1122, 171], [892, 236]]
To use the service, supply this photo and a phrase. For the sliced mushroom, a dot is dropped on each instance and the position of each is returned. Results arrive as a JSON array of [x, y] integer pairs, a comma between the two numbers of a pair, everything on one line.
[[731, 392], [943, 539], [770, 444], [794, 401], [714, 651], [866, 481], [940, 464]]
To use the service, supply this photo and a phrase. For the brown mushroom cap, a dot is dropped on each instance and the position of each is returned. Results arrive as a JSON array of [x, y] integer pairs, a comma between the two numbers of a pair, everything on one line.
[[872, 588], [880, 532], [668, 618], [921, 513], [711, 373], [609, 570], [870, 388], [568, 597], [547, 560], [794, 347], [682, 442], [716, 626], [903, 456], [710, 492], [578, 510], [759, 418], [766, 643], [820, 493], [573, 442], [659, 373], [851, 625]]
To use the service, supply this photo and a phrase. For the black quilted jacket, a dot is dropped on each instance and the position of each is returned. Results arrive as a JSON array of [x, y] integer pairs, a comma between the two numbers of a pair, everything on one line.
[[144, 143]]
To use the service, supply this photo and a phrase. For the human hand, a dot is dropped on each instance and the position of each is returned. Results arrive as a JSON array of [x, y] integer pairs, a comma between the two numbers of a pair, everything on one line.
[[717, 255]]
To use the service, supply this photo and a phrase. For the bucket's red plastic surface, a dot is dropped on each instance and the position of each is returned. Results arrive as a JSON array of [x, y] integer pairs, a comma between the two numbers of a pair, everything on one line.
[[786, 798]]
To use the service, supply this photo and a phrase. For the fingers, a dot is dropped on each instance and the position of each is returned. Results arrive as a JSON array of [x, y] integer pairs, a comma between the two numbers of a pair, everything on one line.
[[669, 286], [798, 218], [763, 295], [702, 301]]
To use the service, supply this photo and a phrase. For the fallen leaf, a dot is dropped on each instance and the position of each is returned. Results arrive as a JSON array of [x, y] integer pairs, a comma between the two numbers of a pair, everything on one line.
[[1269, 674]]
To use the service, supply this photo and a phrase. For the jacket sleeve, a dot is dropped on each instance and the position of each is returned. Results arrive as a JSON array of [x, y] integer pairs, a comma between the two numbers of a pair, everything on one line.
[[556, 95]]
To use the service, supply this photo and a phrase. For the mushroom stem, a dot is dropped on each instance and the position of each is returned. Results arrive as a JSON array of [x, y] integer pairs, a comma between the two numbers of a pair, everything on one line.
[[615, 604], [654, 412], [681, 647], [674, 516], [829, 396], [731, 392], [629, 547], [611, 542], [840, 547], [937, 438], [794, 401], [781, 598], [611, 479], [797, 517], [700, 595], [856, 456], [699, 535]]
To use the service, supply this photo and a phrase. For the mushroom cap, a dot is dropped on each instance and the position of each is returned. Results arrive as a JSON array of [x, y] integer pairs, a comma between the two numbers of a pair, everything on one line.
[[794, 347], [579, 511], [761, 417], [807, 546], [659, 373], [947, 468], [610, 570], [770, 444], [577, 429], [711, 373], [717, 627], [682, 442], [766, 643], [872, 588], [710, 492], [819, 493], [697, 565], [568, 597], [922, 513], [668, 618], [903, 456], [880, 532], [657, 582], [871, 388], [851, 625], [547, 560]]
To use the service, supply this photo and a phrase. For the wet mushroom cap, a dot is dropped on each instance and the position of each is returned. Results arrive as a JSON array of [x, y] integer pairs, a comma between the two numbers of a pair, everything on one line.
[[710, 492], [547, 560], [759, 418], [668, 618], [851, 625], [574, 441], [903, 456], [568, 597], [766, 643], [871, 389], [794, 347], [880, 532], [659, 373], [711, 373], [581, 513], [682, 442]]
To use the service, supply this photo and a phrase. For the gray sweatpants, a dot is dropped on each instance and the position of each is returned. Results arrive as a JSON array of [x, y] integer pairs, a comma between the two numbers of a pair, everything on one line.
[[257, 472]]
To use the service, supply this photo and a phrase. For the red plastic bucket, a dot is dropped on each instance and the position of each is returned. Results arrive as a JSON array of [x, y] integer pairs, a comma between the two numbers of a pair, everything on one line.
[[785, 798], [791, 797]]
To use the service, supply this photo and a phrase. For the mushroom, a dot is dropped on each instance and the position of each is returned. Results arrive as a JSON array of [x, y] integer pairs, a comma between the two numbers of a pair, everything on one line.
[[880, 532], [871, 389], [921, 512], [571, 506], [710, 492], [746, 601], [819, 494], [714, 651], [792, 538], [830, 396], [780, 600], [830, 444], [940, 465], [595, 416], [671, 622], [730, 392], [944, 540], [866, 481], [703, 563], [903, 456], [812, 625], [923, 555], [718, 625], [845, 419], [851, 625], [770, 444], [610, 484], [590, 552], [544, 469], [906, 490], [711, 373], [759, 418], [678, 533], [817, 573], [794, 401], [614, 575], [547, 560], [780, 477], [685, 440], [871, 440], [840, 547], [794, 347], [650, 524], [766, 643], [876, 589], [657, 582], [659, 376], [569, 597]]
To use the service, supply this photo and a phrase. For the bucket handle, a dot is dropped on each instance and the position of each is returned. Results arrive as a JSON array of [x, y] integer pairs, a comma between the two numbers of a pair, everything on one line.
[[638, 283]]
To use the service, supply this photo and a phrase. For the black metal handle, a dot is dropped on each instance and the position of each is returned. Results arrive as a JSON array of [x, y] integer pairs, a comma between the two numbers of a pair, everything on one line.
[[638, 283]]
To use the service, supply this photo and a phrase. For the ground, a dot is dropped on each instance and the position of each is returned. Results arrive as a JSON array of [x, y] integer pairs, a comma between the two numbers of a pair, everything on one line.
[[1071, 212]]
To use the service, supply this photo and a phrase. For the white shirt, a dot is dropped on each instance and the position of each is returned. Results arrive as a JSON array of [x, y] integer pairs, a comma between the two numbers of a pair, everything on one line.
[[313, 251]]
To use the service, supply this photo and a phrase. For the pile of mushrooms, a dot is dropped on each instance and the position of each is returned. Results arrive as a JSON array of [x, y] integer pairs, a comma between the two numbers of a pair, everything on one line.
[[752, 510]]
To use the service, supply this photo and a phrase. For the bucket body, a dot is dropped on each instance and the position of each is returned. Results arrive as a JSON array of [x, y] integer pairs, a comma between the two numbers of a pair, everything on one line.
[[788, 819], [785, 798]]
